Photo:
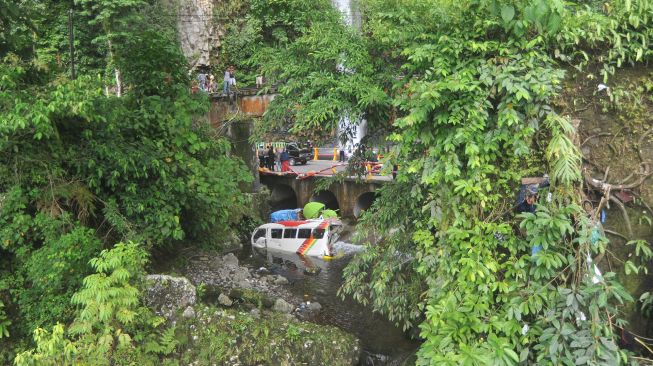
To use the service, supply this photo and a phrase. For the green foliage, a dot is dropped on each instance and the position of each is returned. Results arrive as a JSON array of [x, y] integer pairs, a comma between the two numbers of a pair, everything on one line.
[[639, 262], [4, 322], [53, 349], [469, 88], [320, 66], [108, 296], [82, 169], [15, 27], [111, 327]]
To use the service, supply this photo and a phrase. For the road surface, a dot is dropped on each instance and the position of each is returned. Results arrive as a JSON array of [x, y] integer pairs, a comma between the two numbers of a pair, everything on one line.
[[324, 167]]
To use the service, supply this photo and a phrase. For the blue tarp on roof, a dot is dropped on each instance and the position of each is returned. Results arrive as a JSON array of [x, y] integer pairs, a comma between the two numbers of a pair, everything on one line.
[[285, 215]]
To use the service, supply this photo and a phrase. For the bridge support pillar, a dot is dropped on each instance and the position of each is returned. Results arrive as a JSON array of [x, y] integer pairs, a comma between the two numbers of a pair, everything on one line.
[[352, 196]]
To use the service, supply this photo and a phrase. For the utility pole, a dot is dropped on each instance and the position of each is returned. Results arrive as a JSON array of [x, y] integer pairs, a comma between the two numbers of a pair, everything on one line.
[[71, 39]]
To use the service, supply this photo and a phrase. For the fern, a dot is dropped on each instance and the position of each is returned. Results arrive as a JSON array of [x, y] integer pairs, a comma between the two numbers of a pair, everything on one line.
[[166, 343], [109, 295], [564, 157]]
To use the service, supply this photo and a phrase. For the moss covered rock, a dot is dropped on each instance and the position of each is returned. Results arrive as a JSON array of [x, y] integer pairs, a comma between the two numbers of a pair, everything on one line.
[[230, 337]]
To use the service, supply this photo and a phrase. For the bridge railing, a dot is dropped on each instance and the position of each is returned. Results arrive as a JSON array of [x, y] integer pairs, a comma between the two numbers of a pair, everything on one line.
[[371, 169]]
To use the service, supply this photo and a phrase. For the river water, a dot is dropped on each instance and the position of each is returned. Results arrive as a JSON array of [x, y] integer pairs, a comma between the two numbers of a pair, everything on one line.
[[315, 279]]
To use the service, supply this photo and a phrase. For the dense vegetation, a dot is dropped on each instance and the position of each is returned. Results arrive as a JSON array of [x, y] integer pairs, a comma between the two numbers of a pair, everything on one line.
[[83, 171], [467, 92]]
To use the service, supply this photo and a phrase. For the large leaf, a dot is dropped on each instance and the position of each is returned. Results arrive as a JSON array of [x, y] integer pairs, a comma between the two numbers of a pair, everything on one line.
[[507, 13]]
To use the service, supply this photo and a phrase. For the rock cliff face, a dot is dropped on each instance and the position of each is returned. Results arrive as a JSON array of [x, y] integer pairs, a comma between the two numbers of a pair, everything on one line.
[[198, 32], [616, 140]]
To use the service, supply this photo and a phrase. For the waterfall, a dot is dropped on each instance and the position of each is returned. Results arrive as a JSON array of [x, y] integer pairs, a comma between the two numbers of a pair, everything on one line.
[[355, 131], [345, 7]]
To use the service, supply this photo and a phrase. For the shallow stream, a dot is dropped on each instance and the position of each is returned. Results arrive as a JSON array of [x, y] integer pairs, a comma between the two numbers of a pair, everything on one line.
[[315, 279]]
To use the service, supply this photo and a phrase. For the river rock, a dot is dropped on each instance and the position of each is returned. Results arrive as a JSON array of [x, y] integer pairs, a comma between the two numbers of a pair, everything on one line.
[[282, 306], [255, 313], [314, 306], [223, 274], [189, 313], [243, 284], [269, 279], [280, 280], [166, 295], [230, 260], [240, 274], [225, 300]]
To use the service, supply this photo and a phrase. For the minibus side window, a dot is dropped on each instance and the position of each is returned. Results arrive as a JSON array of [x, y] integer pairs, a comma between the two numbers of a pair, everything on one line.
[[304, 234], [289, 233], [276, 233]]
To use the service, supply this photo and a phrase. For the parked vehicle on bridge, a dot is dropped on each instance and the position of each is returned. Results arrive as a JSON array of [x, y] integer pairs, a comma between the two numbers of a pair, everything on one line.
[[305, 237], [297, 154]]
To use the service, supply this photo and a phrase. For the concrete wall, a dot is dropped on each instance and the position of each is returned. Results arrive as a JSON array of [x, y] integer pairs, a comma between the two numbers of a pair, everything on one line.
[[238, 133], [352, 196], [224, 108], [234, 119]]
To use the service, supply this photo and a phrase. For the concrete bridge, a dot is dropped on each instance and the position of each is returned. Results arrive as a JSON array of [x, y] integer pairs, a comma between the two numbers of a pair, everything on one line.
[[350, 197], [245, 102]]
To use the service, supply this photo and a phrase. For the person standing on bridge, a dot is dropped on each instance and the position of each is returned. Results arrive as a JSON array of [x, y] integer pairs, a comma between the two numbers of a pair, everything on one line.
[[270, 158], [259, 81], [232, 76], [211, 87], [202, 80], [226, 82], [285, 161], [277, 162]]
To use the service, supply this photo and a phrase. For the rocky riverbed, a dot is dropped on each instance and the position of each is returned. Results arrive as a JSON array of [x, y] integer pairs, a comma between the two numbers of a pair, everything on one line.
[[228, 314], [224, 281]]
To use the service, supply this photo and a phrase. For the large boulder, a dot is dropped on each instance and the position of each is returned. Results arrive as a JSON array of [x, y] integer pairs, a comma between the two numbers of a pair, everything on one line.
[[283, 306], [230, 337], [167, 295]]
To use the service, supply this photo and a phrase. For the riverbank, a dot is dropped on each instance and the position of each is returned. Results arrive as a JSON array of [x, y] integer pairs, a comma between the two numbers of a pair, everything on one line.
[[299, 290]]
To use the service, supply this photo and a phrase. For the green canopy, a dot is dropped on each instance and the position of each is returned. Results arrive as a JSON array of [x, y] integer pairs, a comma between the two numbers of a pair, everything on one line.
[[328, 214], [312, 210]]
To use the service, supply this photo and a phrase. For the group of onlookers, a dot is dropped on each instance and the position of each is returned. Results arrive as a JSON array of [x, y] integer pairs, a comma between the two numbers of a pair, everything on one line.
[[206, 82], [279, 161]]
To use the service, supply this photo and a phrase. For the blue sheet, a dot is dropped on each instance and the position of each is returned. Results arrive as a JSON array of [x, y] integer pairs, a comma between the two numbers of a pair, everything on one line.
[[284, 215]]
